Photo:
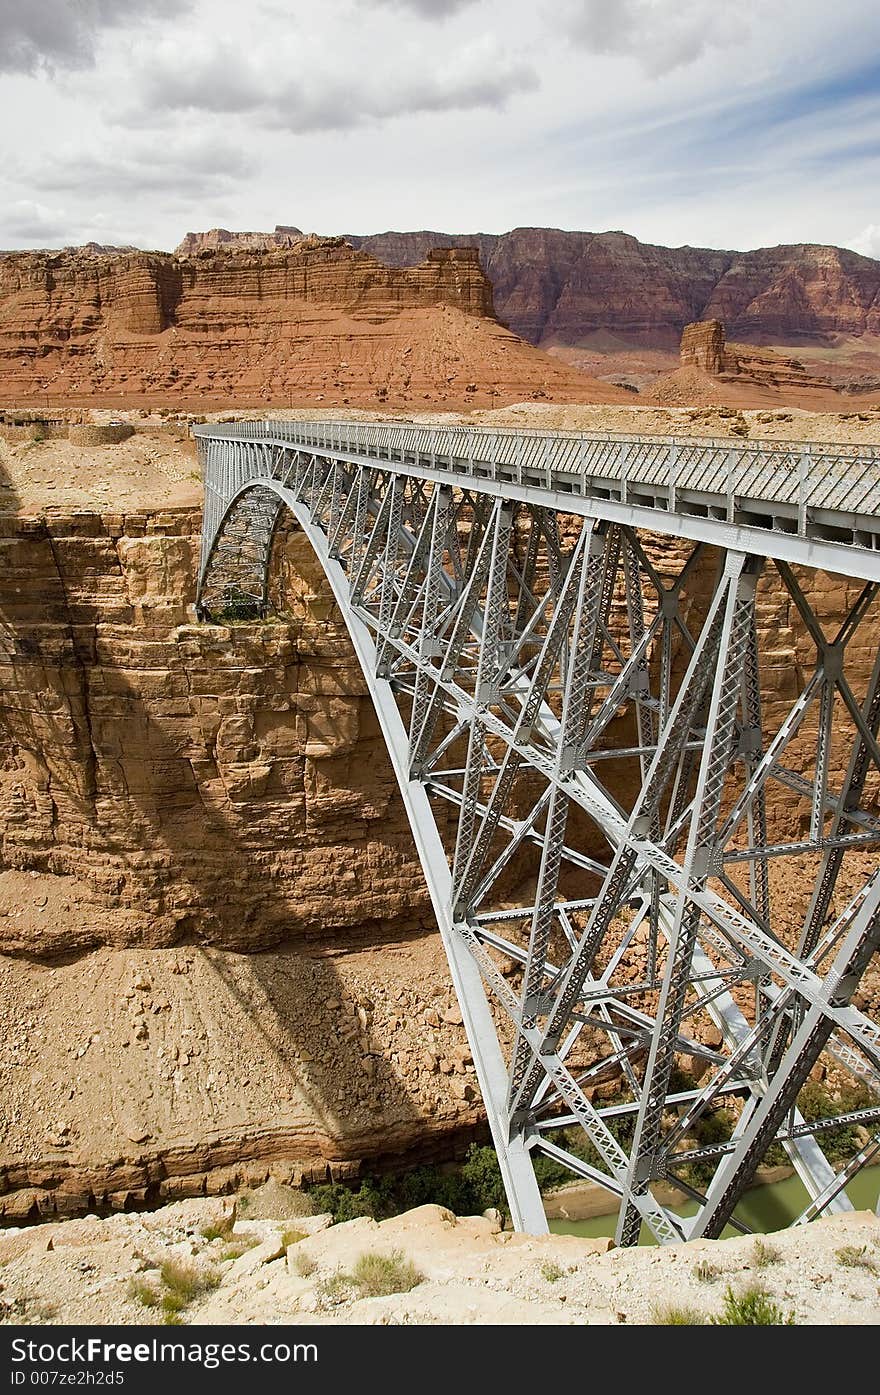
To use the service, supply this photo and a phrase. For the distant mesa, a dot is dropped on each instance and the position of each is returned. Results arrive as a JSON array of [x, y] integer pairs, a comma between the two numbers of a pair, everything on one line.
[[704, 346], [560, 289], [280, 318], [217, 239]]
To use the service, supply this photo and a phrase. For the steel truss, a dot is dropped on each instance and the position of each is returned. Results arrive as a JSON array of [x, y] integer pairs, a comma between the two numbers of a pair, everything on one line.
[[604, 868]]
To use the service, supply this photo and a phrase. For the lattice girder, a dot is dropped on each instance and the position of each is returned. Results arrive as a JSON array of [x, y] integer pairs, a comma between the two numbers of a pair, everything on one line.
[[603, 718]]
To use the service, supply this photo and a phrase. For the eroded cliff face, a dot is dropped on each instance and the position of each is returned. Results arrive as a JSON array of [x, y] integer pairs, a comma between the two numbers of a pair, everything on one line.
[[230, 780], [561, 288], [704, 346], [216, 958], [296, 323]]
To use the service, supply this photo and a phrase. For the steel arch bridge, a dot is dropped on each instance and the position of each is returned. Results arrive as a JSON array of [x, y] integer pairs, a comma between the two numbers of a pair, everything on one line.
[[561, 636]]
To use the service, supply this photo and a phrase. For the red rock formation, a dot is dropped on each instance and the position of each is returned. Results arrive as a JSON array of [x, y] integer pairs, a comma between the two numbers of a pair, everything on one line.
[[556, 287], [216, 238], [313, 319], [704, 347]]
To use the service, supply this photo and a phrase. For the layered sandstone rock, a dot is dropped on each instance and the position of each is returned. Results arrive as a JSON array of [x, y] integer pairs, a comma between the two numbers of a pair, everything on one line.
[[225, 780], [704, 346], [195, 242], [313, 320], [561, 288]]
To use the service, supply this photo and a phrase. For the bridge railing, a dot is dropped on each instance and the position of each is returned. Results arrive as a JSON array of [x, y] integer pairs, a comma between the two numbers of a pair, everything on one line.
[[801, 479]]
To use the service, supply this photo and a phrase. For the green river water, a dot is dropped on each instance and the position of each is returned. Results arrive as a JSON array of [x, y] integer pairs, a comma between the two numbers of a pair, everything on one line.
[[762, 1209]]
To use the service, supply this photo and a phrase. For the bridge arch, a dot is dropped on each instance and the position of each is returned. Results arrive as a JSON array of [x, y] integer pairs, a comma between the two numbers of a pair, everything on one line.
[[260, 523], [499, 640]]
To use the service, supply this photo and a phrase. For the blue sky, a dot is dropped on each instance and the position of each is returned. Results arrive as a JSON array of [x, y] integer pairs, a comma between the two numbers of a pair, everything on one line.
[[680, 121]]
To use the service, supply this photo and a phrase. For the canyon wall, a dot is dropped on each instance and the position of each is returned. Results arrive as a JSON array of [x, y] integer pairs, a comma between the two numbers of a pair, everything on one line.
[[561, 288], [230, 779], [216, 953], [310, 319]]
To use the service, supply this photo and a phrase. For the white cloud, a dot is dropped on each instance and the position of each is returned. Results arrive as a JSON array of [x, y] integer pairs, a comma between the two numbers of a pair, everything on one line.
[[25, 219], [677, 120], [425, 9], [37, 34], [867, 242], [305, 86], [195, 165], [659, 35]]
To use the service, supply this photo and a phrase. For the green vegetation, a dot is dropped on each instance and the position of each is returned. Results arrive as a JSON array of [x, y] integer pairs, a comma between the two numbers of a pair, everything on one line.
[[336, 1288], [143, 1292], [855, 1257], [763, 1255], [303, 1264], [473, 1187], [179, 1283], [842, 1141], [373, 1276], [705, 1272], [376, 1276], [185, 1280], [214, 1232], [668, 1315], [753, 1307], [237, 607], [291, 1236], [551, 1271]]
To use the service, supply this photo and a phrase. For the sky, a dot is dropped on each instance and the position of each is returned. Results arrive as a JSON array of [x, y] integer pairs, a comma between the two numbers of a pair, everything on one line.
[[714, 123]]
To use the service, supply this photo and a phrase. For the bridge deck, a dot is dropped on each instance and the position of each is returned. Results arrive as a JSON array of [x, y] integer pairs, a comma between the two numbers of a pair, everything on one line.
[[814, 504]]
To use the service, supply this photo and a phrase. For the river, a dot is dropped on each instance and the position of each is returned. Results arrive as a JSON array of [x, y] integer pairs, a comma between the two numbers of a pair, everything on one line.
[[762, 1209]]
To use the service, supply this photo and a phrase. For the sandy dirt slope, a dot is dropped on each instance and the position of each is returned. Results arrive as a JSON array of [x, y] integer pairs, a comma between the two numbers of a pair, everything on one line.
[[155, 468]]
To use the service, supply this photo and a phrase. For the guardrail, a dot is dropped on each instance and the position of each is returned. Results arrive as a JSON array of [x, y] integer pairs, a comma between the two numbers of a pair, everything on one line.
[[796, 487]]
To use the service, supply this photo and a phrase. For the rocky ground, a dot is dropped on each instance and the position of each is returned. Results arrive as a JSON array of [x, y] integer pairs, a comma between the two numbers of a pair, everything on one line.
[[255, 1260]]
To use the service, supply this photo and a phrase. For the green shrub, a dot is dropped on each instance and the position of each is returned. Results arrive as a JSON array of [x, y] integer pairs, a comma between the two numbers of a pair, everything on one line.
[[374, 1197], [336, 1288], [303, 1264], [855, 1257], [839, 1141], [482, 1174], [173, 1303], [377, 1276], [214, 1232], [668, 1315], [551, 1271], [181, 1283], [753, 1307], [764, 1254], [143, 1292]]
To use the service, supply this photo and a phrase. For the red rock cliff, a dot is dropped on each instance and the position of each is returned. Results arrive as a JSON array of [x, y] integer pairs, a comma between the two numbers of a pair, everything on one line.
[[555, 287], [306, 321]]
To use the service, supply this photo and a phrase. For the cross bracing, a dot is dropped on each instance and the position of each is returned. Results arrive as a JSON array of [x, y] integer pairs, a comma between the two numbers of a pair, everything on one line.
[[651, 853]]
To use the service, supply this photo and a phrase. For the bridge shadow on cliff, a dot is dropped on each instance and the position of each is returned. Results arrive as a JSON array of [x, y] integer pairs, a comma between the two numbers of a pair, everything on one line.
[[304, 1009], [203, 878], [10, 499]]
